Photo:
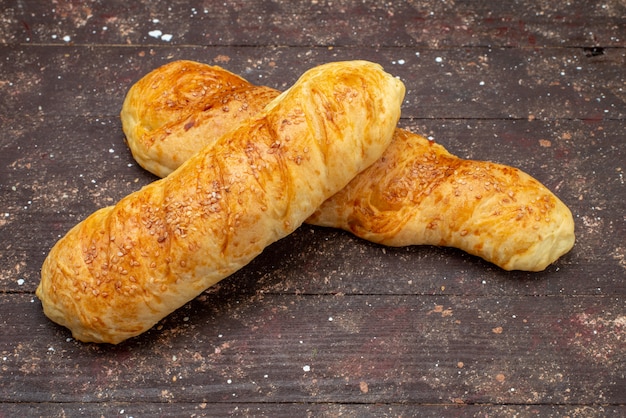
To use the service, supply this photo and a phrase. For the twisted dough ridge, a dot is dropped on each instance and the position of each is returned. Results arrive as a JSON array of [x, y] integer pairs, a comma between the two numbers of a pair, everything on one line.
[[422, 194], [416, 193], [125, 267]]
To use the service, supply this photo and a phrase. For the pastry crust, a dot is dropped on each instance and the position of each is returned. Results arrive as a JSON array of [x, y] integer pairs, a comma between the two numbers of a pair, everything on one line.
[[417, 193], [168, 114], [125, 267]]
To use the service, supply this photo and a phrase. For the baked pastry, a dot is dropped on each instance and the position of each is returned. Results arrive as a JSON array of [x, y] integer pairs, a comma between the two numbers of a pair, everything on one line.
[[185, 99], [396, 210], [417, 193], [125, 267]]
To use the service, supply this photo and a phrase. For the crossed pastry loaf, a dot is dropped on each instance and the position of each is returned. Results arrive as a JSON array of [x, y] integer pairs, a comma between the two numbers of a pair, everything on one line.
[[117, 273], [417, 193], [190, 100]]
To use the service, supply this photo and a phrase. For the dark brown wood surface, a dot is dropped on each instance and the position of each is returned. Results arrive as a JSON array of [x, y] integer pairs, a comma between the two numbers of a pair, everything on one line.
[[322, 323]]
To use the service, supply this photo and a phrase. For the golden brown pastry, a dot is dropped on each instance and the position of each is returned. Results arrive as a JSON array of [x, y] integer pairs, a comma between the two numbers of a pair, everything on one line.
[[417, 193], [117, 273], [190, 100]]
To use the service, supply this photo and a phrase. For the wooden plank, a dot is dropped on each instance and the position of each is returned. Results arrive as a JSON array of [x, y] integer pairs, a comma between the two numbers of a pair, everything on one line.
[[470, 83], [363, 349], [290, 410], [324, 23]]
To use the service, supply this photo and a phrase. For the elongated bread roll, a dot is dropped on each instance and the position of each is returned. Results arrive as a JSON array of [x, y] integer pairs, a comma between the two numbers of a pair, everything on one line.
[[417, 193], [117, 273], [190, 100]]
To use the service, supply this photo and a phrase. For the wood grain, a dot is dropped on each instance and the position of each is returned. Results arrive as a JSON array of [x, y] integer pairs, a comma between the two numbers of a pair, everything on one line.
[[263, 347], [436, 24]]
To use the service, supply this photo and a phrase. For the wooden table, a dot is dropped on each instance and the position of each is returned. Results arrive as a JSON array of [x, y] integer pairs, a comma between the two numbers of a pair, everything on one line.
[[322, 323]]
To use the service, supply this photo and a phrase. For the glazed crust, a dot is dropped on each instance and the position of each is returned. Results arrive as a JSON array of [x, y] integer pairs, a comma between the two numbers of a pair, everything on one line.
[[125, 267], [417, 193], [189, 100]]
